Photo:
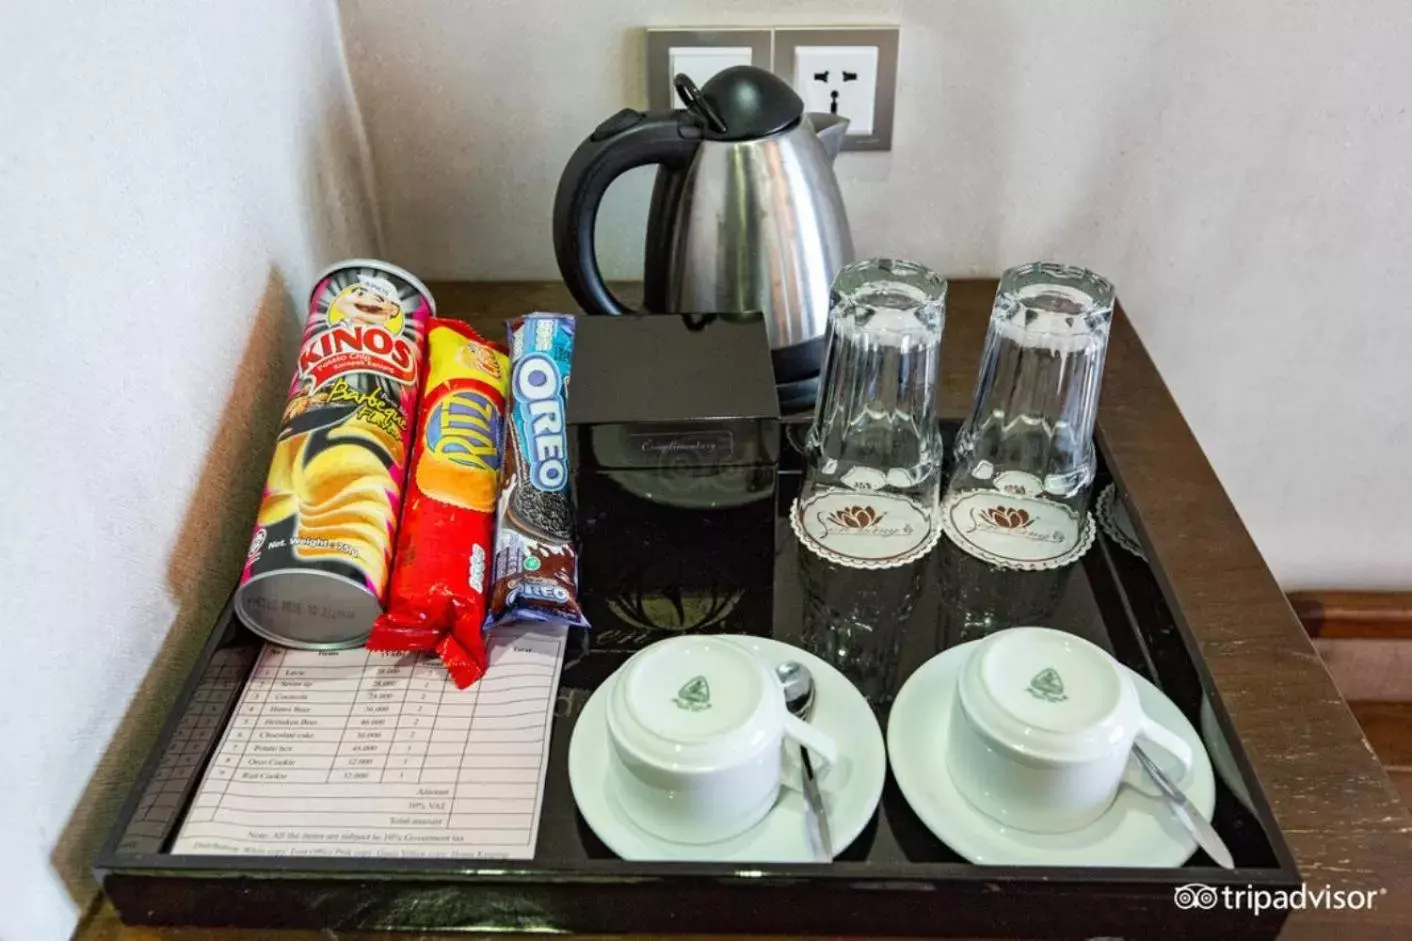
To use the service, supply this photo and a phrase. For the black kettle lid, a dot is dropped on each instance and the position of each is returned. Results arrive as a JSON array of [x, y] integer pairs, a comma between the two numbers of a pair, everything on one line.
[[742, 103]]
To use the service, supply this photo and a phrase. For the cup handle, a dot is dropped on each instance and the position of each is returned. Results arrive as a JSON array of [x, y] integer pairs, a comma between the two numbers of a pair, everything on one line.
[[1171, 743], [808, 736]]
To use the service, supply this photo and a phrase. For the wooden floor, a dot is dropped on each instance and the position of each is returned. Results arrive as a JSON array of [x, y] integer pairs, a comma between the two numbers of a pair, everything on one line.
[[1365, 639], [1388, 726]]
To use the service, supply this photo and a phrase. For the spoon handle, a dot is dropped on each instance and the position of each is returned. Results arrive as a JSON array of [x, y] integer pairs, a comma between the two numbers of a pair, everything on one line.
[[814, 805], [1206, 836]]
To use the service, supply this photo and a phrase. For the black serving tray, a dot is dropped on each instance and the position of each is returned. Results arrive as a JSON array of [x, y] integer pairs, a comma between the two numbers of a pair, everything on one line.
[[895, 879]]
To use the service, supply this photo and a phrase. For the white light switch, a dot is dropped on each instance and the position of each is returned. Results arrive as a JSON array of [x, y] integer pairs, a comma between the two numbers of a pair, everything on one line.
[[700, 54], [701, 62]]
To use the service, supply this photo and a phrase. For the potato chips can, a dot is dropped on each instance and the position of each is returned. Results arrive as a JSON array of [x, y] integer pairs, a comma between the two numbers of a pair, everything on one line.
[[317, 567]]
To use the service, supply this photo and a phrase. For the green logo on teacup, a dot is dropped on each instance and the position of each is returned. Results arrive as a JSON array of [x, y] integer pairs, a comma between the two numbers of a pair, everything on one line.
[[1047, 685], [694, 695]]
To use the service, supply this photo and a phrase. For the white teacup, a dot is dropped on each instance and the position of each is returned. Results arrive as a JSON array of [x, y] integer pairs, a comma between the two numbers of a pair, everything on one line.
[[1042, 729], [696, 728]]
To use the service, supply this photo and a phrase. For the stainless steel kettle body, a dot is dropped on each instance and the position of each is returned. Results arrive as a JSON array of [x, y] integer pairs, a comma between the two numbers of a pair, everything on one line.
[[760, 226], [746, 215]]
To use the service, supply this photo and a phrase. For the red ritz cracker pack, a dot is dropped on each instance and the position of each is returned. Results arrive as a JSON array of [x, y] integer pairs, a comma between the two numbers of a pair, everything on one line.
[[437, 597]]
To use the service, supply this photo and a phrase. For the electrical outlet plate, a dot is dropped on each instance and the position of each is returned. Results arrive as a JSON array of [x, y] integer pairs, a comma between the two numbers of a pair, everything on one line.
[[699, 53], [839, 80], [830, 68]]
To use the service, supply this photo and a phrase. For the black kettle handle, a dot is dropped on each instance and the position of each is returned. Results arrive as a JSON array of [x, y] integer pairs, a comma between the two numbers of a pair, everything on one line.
[[626, 140]]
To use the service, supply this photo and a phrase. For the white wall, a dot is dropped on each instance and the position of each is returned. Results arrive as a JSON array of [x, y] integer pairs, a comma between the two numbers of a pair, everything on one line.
[[1240, 170], [171, 177]]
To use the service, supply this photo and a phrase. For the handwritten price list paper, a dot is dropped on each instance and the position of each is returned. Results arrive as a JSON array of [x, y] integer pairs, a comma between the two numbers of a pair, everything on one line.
[[354, 753]]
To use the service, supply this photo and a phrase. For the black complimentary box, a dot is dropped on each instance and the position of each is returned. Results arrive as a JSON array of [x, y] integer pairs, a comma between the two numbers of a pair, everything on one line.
[[674, 436]]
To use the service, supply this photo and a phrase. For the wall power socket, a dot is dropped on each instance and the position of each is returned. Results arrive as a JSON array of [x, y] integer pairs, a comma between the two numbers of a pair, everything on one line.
[[839, 80], [846, 70]]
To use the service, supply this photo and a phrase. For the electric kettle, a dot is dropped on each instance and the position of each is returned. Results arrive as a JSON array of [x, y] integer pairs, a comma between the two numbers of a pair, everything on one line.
[[746, 215]]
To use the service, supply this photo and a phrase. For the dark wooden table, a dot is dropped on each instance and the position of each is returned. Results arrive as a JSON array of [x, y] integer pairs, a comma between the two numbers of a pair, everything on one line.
[[1344, 821]]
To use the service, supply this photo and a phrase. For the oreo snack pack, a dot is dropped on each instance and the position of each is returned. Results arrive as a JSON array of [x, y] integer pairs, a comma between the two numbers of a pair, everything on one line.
[[535, 571]]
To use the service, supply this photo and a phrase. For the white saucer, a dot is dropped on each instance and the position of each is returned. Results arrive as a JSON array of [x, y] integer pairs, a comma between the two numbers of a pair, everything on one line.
[[1138, 830], [851, 790]]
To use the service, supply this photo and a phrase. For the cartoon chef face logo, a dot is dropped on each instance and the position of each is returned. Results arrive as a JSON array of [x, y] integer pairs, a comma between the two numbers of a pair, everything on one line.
[[368, 302]]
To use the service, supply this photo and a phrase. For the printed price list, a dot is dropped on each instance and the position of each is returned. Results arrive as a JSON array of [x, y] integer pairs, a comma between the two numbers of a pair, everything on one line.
[[357, 753]]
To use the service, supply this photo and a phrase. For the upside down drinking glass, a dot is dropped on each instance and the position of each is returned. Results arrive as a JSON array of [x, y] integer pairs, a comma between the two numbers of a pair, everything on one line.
[[866, 516], [875, 426], [1018, 496]]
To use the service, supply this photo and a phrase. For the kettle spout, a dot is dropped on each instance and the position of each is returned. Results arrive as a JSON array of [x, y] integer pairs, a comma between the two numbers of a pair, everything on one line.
[[832, 129]]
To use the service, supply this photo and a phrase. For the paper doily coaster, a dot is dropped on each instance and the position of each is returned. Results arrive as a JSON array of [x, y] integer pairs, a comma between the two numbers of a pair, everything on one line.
[[1113, 516], [863, 529], [1016, 531]]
